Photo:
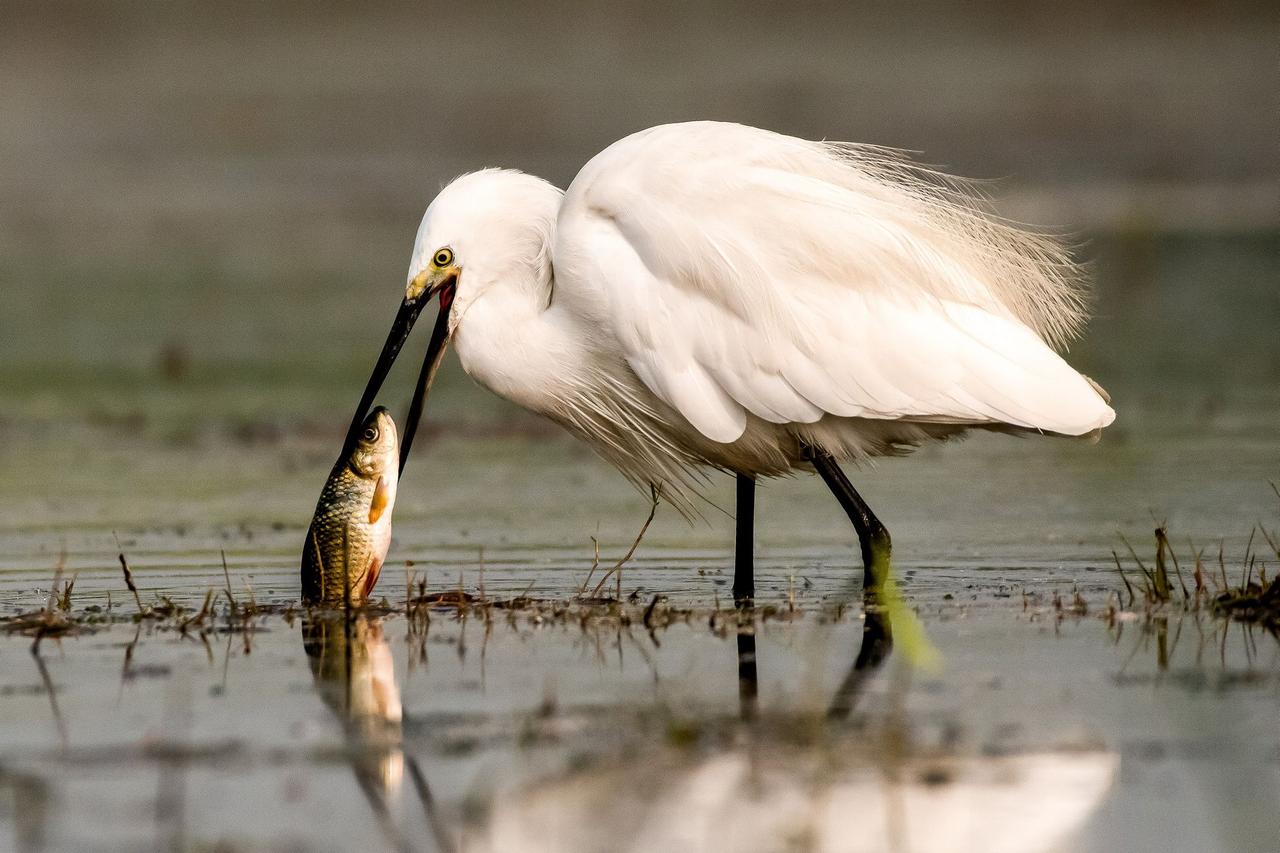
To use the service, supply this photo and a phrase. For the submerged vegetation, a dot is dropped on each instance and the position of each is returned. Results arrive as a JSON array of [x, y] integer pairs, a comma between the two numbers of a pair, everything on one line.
[[1246, 592], [222, 611], [1252, 597], [1214, 596]]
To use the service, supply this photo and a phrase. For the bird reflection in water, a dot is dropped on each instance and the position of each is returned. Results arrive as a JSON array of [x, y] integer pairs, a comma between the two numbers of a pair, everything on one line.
[[849, 784]]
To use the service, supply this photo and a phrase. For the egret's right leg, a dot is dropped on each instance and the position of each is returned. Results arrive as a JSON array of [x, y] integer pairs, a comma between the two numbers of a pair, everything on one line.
[[744, 568], [872, 535], [744, 592]]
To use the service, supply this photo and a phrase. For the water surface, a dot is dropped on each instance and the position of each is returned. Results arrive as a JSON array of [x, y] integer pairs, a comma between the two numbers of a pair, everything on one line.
[[1053, 723]]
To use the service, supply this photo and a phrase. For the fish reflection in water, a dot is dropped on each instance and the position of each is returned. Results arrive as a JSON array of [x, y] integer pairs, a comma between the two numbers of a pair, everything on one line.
[[354, 674]]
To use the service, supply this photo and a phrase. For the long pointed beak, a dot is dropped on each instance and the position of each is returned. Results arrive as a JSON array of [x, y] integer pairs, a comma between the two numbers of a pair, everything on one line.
[[430, 364], [410, 308], [400, 327]]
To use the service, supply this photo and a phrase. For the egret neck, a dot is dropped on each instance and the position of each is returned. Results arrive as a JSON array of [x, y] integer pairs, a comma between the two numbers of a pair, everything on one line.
[[515, 339]]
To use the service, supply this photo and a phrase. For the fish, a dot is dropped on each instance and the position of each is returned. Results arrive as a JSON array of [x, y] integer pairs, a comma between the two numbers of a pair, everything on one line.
[[350, 532]]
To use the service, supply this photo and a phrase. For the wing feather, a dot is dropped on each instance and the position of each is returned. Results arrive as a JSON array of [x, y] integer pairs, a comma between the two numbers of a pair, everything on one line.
[[745, 272]]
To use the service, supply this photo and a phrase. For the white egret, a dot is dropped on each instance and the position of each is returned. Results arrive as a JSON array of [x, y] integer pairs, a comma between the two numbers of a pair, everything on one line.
[[715, 296]]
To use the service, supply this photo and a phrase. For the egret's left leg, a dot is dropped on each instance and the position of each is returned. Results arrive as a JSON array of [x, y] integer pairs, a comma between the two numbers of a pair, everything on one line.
[[744, 579], [872, 535]]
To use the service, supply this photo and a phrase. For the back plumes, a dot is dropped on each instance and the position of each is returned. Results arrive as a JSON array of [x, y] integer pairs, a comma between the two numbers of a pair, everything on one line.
[[1030, 274], [842, 212]]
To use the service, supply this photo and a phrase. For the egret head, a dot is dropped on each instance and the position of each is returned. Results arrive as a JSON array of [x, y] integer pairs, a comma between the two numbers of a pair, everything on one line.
[[496, 224], [484, 228]]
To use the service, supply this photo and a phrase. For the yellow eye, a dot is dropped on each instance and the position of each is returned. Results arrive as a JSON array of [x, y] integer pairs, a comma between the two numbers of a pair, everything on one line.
[[443, 258]]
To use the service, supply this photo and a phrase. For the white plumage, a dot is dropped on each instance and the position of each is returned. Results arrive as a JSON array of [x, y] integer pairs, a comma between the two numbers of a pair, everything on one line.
[[709, 294]]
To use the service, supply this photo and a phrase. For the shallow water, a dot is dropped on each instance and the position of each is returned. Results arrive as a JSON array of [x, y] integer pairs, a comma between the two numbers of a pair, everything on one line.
[[1044, 728], [509, 731]]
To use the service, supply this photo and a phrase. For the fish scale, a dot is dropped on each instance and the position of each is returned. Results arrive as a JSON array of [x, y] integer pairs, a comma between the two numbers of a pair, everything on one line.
[[350, 532]]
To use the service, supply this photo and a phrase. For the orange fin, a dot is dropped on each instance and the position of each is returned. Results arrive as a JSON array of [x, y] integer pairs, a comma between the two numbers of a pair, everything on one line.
[[371, 576], [379, 503]]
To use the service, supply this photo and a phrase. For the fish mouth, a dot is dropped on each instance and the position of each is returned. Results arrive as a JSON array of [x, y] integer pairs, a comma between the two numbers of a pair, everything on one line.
[[403, 323]]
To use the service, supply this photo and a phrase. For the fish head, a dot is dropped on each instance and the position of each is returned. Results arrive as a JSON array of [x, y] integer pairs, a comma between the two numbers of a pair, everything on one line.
[[377, 448]]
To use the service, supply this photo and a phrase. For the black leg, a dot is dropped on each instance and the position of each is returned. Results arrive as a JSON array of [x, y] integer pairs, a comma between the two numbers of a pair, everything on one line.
[[744, 579], [744, 593], [872, 535]]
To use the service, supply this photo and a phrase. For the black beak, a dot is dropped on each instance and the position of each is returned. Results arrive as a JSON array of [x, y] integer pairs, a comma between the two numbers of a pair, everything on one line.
[[430, 364], [400, 328]]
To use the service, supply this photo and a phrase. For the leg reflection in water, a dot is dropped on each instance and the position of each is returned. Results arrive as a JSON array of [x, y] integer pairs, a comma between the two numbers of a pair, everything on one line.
[[877, 643], [748, 679]]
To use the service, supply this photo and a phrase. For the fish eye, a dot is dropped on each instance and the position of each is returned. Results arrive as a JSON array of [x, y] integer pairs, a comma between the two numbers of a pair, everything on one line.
[[370, 434], [443, 258]]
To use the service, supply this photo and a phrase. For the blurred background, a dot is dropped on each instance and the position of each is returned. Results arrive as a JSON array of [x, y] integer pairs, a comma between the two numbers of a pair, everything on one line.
[[208, 207], [206, 215]]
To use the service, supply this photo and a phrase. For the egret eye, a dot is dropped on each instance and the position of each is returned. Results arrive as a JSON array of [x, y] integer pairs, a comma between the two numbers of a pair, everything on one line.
[[443, 258], [370, 434]]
